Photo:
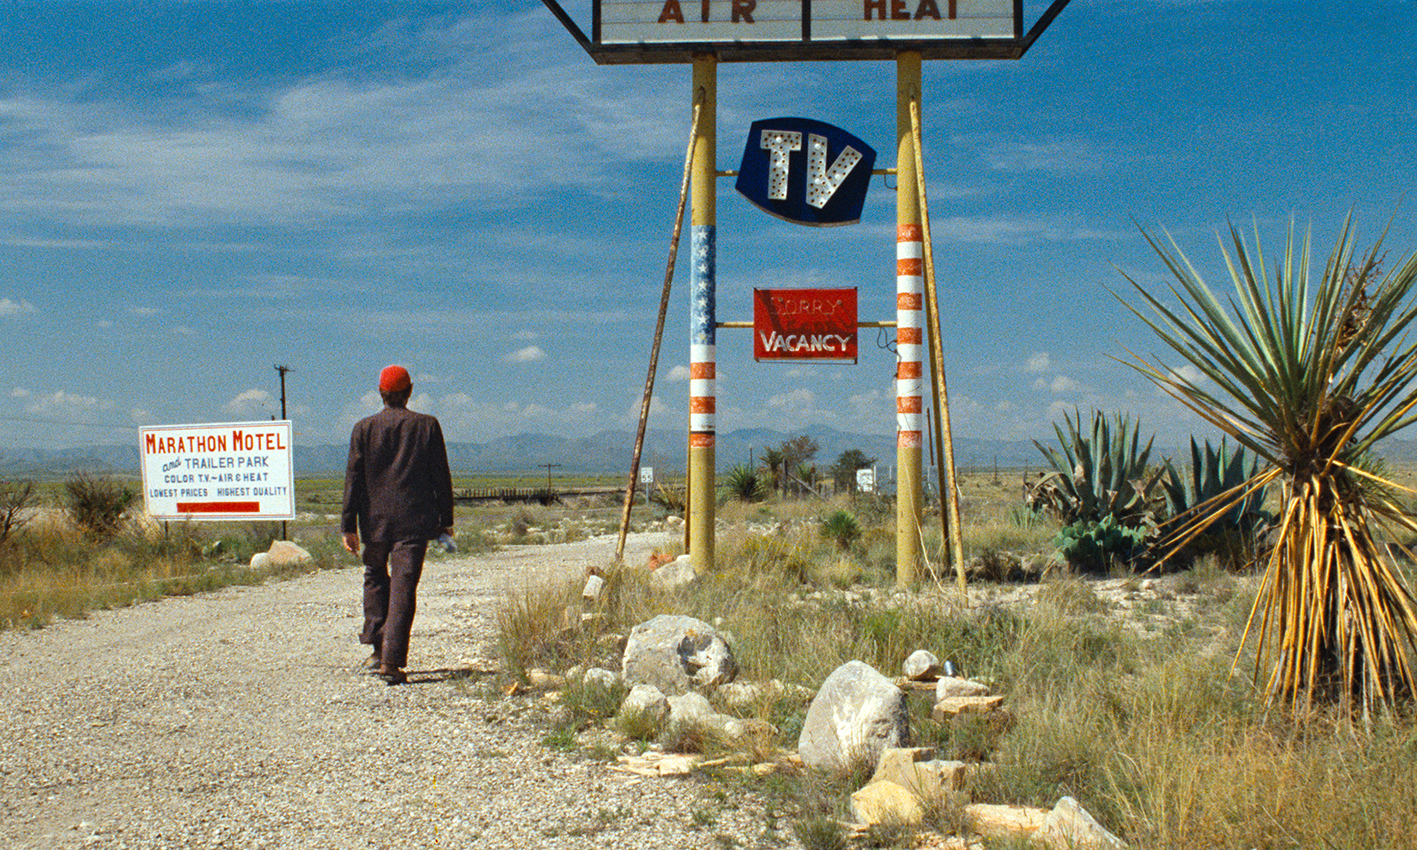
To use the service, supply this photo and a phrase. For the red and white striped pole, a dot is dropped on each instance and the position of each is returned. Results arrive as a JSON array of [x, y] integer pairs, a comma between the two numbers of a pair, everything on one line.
[[910, 334]]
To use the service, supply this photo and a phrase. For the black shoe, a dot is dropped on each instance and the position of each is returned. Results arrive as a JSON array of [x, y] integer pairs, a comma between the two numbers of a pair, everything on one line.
[[392, 675]]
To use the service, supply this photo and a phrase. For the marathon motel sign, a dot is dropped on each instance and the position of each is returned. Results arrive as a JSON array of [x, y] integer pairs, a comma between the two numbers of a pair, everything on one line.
[[230, 471]]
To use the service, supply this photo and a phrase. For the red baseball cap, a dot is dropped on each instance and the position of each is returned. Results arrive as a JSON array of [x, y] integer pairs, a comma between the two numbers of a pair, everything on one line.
[[394, 379]]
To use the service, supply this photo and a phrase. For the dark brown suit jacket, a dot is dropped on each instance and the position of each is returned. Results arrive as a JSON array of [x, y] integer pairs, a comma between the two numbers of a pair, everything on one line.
[[397, 485]]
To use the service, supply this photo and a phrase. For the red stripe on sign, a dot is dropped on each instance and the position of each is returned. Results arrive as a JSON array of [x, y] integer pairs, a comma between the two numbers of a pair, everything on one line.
[[908, 335], [701, 370], [218, 507], [702, 404], [912, 267], [701, 440], [909, 233], [909, 301], [907, 404], [908, 440], [907, 369]]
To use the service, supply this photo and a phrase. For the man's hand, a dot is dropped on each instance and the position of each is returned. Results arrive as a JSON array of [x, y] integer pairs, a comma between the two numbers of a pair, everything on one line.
[[351, 542]]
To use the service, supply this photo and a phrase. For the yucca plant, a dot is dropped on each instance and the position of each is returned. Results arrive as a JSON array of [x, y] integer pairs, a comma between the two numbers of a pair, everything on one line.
[[1308, 373], [744, 483], [1216, 474]]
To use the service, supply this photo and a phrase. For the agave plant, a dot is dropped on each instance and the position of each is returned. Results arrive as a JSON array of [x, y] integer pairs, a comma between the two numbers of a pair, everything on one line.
[[1216, 475], [1307, 372], [1097, 474]]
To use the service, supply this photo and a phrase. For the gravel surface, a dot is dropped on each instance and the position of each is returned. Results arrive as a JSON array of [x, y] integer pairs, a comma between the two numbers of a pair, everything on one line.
[[236, 719]]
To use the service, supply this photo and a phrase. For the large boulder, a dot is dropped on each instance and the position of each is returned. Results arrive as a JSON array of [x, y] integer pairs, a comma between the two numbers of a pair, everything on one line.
[[677, 654], [856, 715], [676, 574], [286, 554]]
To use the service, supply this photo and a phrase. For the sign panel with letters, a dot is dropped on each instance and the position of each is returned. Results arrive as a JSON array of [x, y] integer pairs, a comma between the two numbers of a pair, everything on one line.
[[660, 30], [804, 324], [805, 171], [231, 471]]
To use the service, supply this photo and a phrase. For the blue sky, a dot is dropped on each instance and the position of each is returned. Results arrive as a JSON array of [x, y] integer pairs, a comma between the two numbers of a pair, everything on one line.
[[191, 192]]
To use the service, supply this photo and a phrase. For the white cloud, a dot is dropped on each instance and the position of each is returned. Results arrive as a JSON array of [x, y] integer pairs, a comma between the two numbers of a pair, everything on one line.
[[678, 374], [530, 354], [1063, 384], [1021, 230], [1057, 156], [252, 403], [9, 307], [326, 146], [146, 312], [1037, 362], [63, 405], [798, 400]]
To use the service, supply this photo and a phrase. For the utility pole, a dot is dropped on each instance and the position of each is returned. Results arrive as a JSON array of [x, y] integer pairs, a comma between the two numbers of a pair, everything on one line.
[[549, 467], [284, 531], [282, 370]]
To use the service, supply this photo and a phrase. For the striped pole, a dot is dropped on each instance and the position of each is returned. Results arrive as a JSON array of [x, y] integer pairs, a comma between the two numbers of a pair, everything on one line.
[[910, 335], [703, 322]]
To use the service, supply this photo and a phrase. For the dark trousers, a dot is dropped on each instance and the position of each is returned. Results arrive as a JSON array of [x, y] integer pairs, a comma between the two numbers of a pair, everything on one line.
[[391, 573]]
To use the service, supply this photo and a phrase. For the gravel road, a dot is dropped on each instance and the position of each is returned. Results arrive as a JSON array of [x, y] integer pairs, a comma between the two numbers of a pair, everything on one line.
[[236, 719]]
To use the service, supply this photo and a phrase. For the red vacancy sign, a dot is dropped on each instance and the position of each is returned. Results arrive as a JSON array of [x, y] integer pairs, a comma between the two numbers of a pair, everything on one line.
[[804, 324]]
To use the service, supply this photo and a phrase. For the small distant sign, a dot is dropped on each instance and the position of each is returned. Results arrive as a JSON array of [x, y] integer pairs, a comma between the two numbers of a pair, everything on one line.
[[866, 480], [805, 171], [230, 471], [646, 475], [804, 324]]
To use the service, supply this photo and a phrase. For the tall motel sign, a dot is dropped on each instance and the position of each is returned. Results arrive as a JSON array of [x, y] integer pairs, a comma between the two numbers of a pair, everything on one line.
[[704, 33]]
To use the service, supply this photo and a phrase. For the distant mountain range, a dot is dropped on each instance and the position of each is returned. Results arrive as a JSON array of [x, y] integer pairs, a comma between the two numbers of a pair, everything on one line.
[[605, 453]]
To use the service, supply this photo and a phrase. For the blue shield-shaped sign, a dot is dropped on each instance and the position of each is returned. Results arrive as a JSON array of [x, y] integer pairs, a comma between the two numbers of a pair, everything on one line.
[[806, 171]]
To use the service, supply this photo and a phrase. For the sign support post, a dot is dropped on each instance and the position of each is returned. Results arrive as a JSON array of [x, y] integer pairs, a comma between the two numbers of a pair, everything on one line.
[[909, 329], [703, 321]]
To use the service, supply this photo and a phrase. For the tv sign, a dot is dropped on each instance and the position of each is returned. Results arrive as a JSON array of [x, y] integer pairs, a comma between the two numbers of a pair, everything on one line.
[[804, 324], [805, 171]]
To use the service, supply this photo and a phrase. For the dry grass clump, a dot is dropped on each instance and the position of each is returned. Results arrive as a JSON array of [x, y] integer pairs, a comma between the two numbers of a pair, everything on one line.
[[1146, 728], [51, 567]]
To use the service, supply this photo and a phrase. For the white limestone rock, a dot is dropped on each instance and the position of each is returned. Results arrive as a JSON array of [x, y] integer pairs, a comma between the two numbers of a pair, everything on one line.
[[677, 654], [856, 714]]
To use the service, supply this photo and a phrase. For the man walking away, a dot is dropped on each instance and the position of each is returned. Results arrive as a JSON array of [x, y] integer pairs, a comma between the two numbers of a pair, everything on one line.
[[398, 495]]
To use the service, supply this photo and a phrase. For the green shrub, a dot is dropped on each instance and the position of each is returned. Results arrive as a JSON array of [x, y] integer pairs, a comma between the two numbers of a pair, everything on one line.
[[842, 528], [16, 498], [97, 504], [745, 484], [1098, 547]]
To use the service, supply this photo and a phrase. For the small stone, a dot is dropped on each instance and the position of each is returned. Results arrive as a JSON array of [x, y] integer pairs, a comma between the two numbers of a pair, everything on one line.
[[953, 686], [954, 706], [921, 666], [886, 803]]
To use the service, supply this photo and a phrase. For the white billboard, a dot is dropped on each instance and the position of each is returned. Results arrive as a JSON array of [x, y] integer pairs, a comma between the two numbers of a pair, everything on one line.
[[228, 471], [717, 21]]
